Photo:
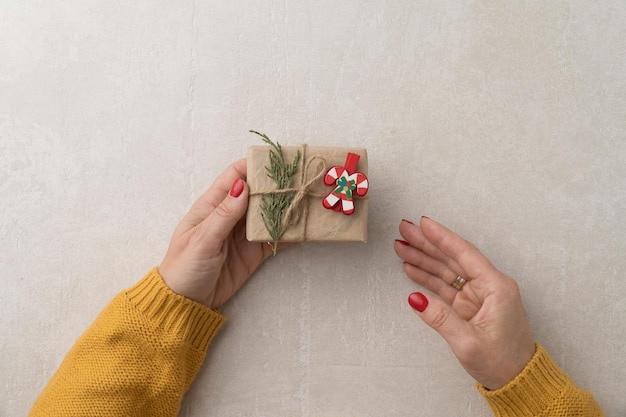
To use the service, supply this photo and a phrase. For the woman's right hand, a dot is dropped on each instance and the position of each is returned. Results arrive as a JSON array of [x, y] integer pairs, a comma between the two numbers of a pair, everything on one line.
[[484, 322]]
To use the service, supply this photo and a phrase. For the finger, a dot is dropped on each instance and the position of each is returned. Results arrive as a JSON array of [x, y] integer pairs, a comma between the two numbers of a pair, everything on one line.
[[214, 230], [413, 234], [216, 193], [430, 282], [412, 231], [472, 263], [419, 259], [440, 316]]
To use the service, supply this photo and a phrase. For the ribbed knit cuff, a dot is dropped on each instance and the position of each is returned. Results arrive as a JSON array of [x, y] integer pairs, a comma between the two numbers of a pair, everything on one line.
[[178, 315], [539, 384]]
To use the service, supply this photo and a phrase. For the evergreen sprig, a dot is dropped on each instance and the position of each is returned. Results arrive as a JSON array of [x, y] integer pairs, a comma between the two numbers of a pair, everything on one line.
[[274, 205]]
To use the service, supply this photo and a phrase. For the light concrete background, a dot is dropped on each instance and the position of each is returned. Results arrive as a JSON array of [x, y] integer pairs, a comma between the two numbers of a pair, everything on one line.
[[504, 120]]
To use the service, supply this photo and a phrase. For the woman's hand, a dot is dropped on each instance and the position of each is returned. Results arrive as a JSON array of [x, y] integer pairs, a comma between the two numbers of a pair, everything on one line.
[[484, 322], [209, 258]]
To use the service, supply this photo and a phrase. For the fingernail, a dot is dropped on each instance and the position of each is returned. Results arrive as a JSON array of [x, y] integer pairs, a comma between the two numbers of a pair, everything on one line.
[[426, 217], [418, 301], [404, 242], [237, 188], [408, 221]]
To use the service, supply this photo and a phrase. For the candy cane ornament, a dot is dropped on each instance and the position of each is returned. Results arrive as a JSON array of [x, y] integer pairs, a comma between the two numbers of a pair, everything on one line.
[[347, 183]]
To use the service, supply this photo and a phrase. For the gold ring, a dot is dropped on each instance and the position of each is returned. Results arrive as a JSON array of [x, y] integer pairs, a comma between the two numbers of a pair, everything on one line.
[[458, 283]]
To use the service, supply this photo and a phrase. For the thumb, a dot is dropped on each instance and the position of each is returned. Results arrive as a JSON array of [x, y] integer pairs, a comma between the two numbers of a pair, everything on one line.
[[438, 315], [221, 222]]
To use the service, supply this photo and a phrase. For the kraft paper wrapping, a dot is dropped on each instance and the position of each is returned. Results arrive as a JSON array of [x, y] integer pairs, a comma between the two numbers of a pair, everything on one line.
[[321, 224]]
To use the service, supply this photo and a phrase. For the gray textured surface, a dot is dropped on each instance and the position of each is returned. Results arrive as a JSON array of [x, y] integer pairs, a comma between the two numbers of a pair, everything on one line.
[[504, 121]]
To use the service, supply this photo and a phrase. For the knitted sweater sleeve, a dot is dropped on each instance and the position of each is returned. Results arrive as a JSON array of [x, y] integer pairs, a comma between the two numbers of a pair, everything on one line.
[[138, 357], [542, 389]]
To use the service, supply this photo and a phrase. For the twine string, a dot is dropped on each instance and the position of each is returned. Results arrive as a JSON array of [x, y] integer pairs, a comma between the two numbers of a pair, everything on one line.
[[296, 209]]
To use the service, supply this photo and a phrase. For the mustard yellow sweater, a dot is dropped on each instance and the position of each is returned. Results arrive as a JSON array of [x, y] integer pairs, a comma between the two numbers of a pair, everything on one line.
[[140, 355]]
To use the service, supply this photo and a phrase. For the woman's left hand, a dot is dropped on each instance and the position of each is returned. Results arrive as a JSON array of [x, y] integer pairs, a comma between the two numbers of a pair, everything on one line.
[[209, 258]]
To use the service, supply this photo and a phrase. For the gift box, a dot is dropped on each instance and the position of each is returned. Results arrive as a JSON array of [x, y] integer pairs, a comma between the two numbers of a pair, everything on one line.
[[327, 202]]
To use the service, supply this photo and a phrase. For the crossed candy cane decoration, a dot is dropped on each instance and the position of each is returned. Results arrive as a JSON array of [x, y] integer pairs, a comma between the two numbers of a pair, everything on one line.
[[347, 182]]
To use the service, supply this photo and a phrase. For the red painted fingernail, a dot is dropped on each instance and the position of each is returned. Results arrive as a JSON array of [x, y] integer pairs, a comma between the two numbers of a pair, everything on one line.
[[418, 301], [237, 188], [404, 242], [408, 221]]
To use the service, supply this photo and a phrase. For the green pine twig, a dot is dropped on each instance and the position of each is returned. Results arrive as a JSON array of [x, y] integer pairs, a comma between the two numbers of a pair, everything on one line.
[[274, 205]]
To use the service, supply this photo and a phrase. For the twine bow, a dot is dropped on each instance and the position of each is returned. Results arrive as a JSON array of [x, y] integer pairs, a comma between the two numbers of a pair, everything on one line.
[[296, 210]]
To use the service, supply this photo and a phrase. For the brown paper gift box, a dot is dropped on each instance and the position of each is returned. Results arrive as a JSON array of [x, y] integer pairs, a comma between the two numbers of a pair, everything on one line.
[[321, 224]]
